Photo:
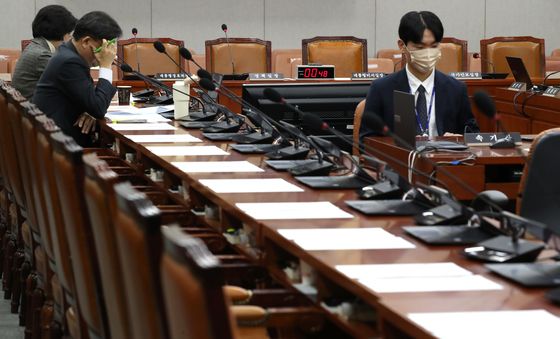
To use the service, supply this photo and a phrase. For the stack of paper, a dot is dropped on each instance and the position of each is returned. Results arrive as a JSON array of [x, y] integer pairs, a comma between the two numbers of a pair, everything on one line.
[[293, 210], [175, 151], [216, 166], [324, 239], [520, 324], [250, 185], [430, 277], [162, 138], [142, 127]]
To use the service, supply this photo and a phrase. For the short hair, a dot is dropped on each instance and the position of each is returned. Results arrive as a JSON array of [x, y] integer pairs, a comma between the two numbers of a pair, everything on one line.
[[413, 24], [98, 25], [53, 22]]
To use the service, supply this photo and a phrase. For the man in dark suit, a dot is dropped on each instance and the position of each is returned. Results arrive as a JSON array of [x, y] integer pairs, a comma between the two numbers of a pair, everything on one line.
[[51, 27], [66, 92], [442, 103]]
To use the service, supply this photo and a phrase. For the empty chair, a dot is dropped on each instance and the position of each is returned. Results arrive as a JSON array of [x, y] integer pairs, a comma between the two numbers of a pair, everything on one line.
[[380, 65], [393, 54], [241, 55], [282, 60], [454, 55], [493, 53], [140, 53], [347, 53]]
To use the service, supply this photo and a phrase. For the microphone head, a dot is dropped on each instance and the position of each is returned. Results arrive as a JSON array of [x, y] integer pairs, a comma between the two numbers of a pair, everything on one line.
[[272, 95], [126, 68], [485, 104], [224, 27], [207, 84], [134, 31], [476, 55], [204, 74], [185, 53], [375, 122], [313, 123], [158, 45]]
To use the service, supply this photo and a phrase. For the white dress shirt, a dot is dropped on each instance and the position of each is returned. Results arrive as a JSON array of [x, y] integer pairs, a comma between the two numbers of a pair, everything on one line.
[[414, 83]]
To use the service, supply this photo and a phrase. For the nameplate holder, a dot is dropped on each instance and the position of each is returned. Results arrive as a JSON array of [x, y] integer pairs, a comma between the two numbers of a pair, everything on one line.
[[171, 76], [266, 76], [518, 86], [466, 75], [367, 75], [552, 92], [487, 139]]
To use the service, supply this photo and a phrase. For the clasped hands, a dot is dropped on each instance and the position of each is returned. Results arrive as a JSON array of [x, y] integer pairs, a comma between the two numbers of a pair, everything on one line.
[[86, 122]]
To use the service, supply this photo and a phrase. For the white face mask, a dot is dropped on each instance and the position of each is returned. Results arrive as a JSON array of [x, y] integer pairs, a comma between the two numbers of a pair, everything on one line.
[[425, 60]]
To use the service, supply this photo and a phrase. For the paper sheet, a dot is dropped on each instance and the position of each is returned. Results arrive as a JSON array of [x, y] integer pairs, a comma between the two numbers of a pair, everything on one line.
[[521, 324], [293, 210], [216, 166], [142, 127], [250, 185], [324, 239], [158, 138], [133, 110], [118, 117], [431, 284], [444, 269], [170, 151]]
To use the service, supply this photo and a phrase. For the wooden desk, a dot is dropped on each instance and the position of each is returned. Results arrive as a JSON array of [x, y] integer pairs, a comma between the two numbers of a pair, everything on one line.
[[270, 248], [542, 112], [493, 169]]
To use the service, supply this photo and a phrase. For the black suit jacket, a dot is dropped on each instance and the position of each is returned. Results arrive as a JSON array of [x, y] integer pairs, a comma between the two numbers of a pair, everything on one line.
[[453, 109], [66, 90]]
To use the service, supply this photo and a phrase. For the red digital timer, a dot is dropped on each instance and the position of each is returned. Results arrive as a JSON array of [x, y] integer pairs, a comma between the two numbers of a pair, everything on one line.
[[315, 72]]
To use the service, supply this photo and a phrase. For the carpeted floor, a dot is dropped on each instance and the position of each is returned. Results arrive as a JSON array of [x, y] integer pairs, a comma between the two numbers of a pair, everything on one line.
[[9, 328]]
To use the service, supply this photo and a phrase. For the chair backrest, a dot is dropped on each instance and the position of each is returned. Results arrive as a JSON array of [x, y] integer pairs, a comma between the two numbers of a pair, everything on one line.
[[380, 65], [29, 136], [539, 189], [25, 43], [249, 55], [200, 59], [100, 199], [68, 168], [393, 54], [150, 60], [137, 226], [193, 289], [555, 52], [358, 113], [553, 65], [45, 128], [282, 60], [493, 52], [347, 53], [454, 55]]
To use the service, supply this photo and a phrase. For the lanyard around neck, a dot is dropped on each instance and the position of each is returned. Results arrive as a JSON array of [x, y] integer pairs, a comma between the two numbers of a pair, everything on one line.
[[425, 131]]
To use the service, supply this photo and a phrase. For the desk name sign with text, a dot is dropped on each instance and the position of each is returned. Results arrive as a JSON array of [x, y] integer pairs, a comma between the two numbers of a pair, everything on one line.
[[466, 75], [315, 72], [266, 76], [487, 139], [552, 92], [367, 75], [171, 76]]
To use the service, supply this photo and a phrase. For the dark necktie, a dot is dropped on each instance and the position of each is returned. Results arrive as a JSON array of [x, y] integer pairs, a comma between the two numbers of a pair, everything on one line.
[[422, 111]]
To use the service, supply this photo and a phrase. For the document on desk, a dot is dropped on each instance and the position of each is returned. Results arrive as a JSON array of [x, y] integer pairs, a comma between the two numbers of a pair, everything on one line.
[[250, 185], [132, 110], [142, 127], [293, 210], [520, 324], [118, 117], [162, 138], [172, 151], [216, 166], [344, 239], [428, 277]]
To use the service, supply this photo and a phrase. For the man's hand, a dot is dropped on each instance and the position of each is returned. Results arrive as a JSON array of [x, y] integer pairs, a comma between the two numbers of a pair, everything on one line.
[[107, 54], [86, 122], [447, 134]]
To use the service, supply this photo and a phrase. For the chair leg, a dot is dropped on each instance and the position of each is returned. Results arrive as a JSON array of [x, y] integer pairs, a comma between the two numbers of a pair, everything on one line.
[[24, 303], [47, 327], [9, 252], [19, 259], [30, 305]]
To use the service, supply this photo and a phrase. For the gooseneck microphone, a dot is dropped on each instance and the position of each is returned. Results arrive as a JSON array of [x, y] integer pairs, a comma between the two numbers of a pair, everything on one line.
[[488, 62], [225, 29], [486, 105], [135, 33], [185, 53]]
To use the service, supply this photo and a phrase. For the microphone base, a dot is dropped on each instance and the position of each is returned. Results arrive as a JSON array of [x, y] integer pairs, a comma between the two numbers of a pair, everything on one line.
[[284, 165], [222, 127], [145, 93], [333, 182], [197, 124], [502, 249], [242, 76], [503, 143], [440, 215], [317, 168], [253, 138], [254, 148], [160, 100], [201, 116], [288, 153], [380, 190], [444, 235]]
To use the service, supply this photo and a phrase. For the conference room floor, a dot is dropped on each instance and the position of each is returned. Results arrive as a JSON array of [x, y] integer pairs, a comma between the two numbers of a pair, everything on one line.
[[9, 328]]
